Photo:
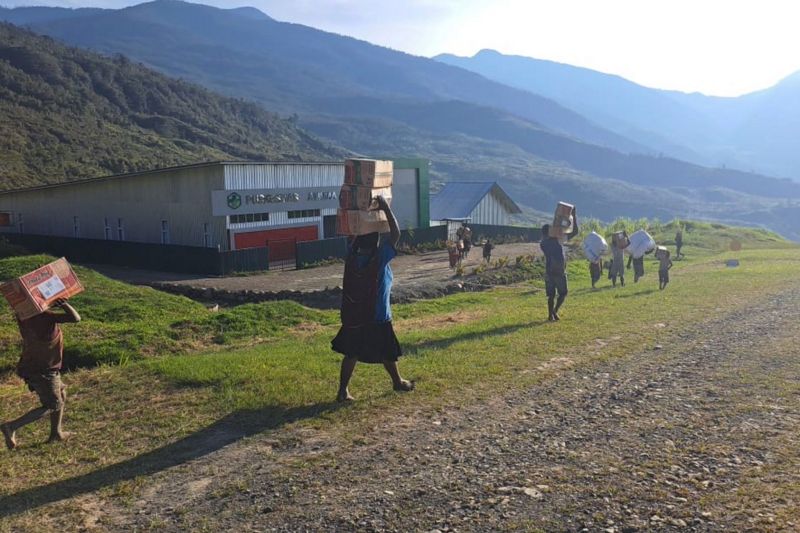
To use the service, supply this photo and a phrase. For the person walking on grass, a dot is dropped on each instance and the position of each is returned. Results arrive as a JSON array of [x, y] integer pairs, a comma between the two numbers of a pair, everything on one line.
[[617, 269], [367, 334], [664, 264], [595, 271], [487, 251], [555, 278], [40, 367], [678, 244], [638, 267]]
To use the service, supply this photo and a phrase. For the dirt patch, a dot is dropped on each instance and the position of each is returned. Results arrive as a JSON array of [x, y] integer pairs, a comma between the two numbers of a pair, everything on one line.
[[439, 321]]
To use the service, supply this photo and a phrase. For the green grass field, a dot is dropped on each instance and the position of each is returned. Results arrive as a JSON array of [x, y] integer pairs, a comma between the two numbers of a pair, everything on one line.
[[187, 372]]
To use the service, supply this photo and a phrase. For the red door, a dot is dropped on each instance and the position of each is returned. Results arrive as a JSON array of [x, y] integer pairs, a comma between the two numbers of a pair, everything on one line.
[[260, 239]]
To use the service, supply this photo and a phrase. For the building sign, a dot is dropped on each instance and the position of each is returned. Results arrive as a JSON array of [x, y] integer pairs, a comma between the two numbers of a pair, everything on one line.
[[246, 201]]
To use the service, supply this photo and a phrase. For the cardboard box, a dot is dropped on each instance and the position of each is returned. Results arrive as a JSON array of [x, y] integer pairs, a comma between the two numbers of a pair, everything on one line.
[[368, 172], [359, 197], [356, 222], [36, 291], [562, 220]]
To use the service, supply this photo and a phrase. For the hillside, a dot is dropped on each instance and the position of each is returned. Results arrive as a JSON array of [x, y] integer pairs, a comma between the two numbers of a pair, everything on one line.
[[376, 101], [68, 114], [753, 131]]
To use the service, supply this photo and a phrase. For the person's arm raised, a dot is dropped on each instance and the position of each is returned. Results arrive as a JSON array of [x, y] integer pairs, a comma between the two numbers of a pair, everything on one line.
[[70, 314], [394, 229], [575, 229]]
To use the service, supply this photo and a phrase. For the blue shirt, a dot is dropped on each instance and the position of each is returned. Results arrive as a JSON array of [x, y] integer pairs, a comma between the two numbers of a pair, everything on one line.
[[386, 252]]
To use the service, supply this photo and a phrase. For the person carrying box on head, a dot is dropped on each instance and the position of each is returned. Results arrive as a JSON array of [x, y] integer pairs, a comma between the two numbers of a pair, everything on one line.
[[556, 267], [366, 333], [40, 367]]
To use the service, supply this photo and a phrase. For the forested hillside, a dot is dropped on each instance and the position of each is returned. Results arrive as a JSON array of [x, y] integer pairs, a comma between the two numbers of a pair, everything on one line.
[[68, 114]]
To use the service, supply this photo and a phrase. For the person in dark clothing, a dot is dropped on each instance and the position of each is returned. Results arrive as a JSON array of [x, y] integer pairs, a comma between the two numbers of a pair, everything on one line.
[[678, 244], [665, 263], [638, 267], [487, 250], [617, 268], [595, 271], [555, 278], [367, 334], [40, 367]]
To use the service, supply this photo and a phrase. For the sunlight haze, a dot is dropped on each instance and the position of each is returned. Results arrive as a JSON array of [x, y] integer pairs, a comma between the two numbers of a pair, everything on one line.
[[717, 47]]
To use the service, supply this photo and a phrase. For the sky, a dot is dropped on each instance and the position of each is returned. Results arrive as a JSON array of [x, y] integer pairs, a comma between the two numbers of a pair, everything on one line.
[[717, 47]]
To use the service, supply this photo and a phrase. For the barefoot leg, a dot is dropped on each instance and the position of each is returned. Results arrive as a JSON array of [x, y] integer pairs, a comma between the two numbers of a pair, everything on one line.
[[346, 372]]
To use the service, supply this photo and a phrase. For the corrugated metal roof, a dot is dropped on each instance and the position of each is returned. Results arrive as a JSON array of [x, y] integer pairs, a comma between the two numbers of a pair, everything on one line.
[[458, 199]]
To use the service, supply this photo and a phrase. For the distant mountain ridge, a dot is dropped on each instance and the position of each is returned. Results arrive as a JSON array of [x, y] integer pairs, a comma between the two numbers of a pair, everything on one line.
[[377, 101], [749, 132], [69, 114]]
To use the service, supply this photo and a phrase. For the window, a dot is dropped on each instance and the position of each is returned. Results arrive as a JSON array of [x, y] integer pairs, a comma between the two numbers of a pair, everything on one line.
[[206, 236], [76, 227], [120, 230], [164, 232], [305, 213], [20, 223], [106, 229], [250, 217]]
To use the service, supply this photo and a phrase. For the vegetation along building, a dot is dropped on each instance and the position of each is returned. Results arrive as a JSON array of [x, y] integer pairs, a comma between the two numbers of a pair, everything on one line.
[[221, 205]]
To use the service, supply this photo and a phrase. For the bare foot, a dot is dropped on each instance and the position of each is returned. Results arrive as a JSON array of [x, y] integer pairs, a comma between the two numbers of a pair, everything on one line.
[[11, 441], [404, 386], [60, 437], [344, 398]]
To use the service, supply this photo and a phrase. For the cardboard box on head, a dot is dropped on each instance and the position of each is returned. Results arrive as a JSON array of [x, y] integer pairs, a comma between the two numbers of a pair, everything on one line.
[[363, 198], [36, 291], [357, 222], [368, 173]]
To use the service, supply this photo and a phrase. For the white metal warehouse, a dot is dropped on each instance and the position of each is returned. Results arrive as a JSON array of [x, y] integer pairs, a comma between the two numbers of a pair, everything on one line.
[[223, 205]]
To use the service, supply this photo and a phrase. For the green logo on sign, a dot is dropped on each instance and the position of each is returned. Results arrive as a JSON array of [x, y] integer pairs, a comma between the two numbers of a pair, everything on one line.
[[234, 200]]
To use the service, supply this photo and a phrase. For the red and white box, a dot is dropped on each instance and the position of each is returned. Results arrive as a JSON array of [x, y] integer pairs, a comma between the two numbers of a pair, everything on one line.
[[36, 291]]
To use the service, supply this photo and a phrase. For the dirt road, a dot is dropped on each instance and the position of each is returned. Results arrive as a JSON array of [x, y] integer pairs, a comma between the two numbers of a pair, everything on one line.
[[410, 271], [700, 434]]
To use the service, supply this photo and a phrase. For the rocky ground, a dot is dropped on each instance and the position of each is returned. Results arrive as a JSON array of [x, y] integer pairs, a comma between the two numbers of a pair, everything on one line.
[[700, 434]]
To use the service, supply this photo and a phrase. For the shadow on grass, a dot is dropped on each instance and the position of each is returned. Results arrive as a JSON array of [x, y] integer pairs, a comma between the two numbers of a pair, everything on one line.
[[227, 430], [416, 347], [635, 294]]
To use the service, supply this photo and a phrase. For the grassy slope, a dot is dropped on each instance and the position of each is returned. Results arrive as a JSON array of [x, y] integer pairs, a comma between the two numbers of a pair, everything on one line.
[[457, 348], [123, 323]]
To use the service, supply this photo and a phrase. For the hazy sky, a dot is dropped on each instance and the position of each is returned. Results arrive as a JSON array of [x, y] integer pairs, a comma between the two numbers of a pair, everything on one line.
[[719, 47]]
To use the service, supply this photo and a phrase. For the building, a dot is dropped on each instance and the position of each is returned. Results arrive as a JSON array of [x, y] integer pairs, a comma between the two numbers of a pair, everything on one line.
[[475, 201], [221, 205]]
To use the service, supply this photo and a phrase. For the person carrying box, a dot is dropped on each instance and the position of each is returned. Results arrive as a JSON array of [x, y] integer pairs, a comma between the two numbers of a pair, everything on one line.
[[40, 367], [556, 267], [367, 334]]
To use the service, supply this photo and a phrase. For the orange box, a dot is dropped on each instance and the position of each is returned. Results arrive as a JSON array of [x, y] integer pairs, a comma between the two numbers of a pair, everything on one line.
[[356, 222], [36, 291], [358, 197], [368, 172]]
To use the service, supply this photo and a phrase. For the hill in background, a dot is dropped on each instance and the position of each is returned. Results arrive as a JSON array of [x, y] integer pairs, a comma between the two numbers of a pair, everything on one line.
[[67, 114], [376, 101]]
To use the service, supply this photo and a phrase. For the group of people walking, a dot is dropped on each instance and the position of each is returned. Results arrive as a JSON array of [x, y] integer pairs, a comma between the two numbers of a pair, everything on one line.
[[366, 333]]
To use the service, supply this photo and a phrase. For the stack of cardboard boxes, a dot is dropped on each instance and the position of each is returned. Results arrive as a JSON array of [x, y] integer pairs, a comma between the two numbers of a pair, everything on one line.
[[364, 180]]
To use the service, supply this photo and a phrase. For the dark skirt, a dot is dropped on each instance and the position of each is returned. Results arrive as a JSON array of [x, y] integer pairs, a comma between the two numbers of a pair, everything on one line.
[[371, 343]]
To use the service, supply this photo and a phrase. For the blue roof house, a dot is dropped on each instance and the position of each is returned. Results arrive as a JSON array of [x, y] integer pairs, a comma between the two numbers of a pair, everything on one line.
[[479, 202]]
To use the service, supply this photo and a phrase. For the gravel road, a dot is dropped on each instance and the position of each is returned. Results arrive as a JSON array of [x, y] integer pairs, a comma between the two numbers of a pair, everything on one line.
[[698, 435]]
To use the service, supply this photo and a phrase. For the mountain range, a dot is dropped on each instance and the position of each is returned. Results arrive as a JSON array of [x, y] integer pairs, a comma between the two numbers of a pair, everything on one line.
[[753, 131], [376, 101]]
